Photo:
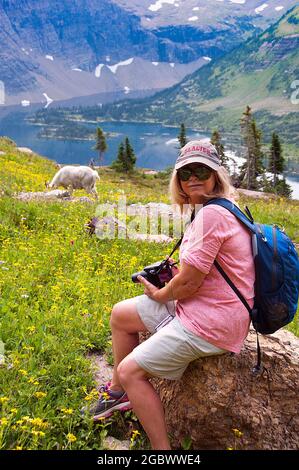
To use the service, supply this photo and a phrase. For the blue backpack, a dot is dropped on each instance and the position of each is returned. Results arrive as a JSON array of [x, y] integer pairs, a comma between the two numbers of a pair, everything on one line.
[[276, 270]]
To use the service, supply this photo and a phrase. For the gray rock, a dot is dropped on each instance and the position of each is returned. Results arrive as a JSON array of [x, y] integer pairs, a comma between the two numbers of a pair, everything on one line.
[[84, 199], [111, 443], [45, 196], [25, 150], [161, 238]]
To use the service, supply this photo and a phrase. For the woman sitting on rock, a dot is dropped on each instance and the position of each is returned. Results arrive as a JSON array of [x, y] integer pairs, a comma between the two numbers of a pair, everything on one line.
[[196, 314]]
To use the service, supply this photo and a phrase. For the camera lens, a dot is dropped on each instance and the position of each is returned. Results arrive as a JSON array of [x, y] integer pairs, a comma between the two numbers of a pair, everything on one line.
[[135, 276]]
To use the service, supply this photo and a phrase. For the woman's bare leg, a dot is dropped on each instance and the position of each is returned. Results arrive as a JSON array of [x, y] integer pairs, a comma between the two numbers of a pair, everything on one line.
[[145, 401], [125, 324]]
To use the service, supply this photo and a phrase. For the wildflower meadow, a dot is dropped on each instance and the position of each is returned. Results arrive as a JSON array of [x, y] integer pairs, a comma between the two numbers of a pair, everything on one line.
[[57, 288]]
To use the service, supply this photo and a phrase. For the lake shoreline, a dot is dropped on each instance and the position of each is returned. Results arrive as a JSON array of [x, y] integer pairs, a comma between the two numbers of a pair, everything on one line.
[[155, 145]]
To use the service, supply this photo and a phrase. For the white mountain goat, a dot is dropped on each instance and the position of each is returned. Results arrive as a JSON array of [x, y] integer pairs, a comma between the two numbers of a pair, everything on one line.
[[76, 177]]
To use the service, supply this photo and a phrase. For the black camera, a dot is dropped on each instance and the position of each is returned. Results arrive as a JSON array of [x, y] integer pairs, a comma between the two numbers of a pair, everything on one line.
[[158, 273]]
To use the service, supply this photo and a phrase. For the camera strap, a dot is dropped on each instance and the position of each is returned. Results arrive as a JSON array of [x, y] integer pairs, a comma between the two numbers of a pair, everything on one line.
[[181, 239]]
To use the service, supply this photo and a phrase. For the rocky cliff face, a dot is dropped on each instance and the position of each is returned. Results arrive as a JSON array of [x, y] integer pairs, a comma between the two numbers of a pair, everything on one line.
[[259, 73], [80, 34], [44, 46], [203, 13]]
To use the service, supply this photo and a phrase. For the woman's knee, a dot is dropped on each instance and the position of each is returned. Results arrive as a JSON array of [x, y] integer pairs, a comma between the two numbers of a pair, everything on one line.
[[116, 315], [124, 316], [128, 370], [123, 373]]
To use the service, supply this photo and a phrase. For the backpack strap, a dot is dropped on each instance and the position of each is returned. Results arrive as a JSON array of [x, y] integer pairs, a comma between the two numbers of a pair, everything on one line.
[[234, 288], [248, 221], [245, 219]]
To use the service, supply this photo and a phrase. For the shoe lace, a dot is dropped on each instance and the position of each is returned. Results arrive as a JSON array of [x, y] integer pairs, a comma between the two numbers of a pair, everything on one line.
[[104, 387]]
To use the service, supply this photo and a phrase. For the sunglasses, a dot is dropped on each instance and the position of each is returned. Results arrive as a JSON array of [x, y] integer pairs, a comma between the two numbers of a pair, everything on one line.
[[201, 172]]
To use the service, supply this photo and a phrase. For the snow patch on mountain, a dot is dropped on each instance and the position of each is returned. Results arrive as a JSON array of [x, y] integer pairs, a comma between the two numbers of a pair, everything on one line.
[[159, 4], [261, 8], [114, 68], [98, 70], [49, 100]]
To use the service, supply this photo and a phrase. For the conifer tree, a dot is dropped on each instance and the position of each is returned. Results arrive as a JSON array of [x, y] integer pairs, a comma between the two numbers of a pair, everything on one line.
[[276, 166], [130, 156], [216, 141], [101, 145], [276, 160], [182, 136], [126, 159], [119, 163], [252, 137]]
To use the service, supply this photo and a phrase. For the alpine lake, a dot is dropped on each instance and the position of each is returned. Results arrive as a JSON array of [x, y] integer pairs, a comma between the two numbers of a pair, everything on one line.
[[155, 145]]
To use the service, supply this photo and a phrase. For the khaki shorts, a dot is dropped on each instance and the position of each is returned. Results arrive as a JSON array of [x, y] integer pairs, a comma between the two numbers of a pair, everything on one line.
[[172, 347]]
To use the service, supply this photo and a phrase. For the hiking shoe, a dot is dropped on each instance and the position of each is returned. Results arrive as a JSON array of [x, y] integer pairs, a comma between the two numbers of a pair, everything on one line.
[[109, 402]]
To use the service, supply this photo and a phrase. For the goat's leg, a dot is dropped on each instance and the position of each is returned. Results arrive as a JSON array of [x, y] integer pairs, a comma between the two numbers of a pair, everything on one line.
[[70, 189], [93, 191]]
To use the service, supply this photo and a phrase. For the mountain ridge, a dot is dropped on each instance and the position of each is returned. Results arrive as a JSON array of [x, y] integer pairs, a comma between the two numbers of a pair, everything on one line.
[[259, 73], [80, 35]]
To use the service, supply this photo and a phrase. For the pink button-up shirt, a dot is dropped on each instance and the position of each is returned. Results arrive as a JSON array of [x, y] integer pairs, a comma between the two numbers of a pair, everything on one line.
[[214, 312]]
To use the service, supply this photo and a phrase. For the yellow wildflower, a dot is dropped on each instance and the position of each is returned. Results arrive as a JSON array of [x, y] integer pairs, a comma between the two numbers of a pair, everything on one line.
[[71, 437], [237, 433], [3, 421], [4, 399], [92, 395], [38, 433], [14, 410], [67, 411], [31, 329], [32, 380], [16, 362], [39, 423], [40, 394]]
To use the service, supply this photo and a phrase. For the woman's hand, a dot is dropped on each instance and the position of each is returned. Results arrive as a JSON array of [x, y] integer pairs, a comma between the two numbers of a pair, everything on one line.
[[149, 289], [182, 286], [174, 269]]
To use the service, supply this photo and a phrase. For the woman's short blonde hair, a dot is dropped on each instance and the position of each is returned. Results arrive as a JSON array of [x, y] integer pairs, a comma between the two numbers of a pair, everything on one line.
[[223, 188]]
